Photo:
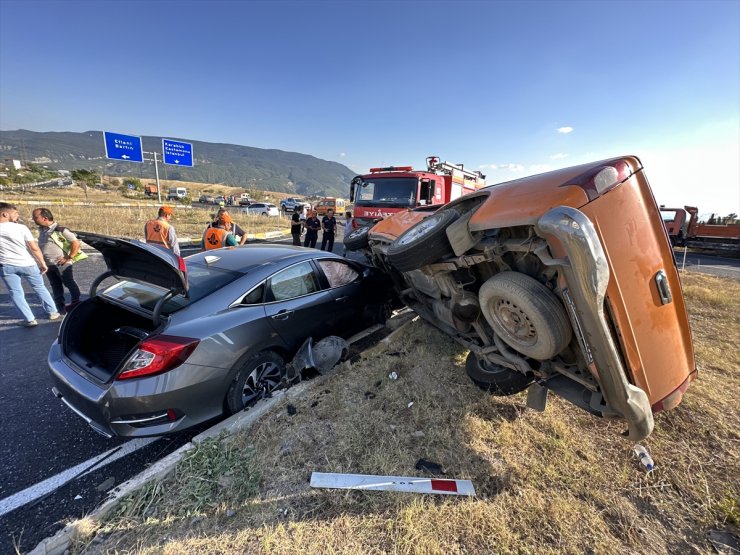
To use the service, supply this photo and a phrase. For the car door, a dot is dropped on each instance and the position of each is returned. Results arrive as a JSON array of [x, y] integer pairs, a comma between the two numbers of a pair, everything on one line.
[[345, 282], [296, 305]]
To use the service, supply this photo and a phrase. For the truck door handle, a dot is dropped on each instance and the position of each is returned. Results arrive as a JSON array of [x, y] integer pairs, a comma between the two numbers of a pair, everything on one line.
[[341, 299], [664, 289], [282, 315]]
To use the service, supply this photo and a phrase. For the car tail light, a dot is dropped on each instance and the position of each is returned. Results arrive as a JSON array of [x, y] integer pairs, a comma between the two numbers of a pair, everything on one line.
[[158, 354], [598, 181], [183, 268]]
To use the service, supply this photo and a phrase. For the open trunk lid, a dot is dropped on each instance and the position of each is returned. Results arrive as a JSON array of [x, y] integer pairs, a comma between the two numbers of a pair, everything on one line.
[[137, 261]]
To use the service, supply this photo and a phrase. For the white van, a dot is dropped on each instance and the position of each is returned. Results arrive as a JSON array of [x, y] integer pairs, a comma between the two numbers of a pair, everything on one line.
[[177, 193]]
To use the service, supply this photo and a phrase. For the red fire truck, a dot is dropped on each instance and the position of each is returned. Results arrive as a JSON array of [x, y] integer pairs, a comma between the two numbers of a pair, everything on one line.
[[385, 191]]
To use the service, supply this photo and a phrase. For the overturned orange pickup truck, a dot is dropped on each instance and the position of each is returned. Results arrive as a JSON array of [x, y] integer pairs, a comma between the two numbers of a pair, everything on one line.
[[563, 282]]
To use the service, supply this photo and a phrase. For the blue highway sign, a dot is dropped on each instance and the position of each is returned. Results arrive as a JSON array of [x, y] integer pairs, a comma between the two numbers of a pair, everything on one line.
[[177, 153], [123, 147]]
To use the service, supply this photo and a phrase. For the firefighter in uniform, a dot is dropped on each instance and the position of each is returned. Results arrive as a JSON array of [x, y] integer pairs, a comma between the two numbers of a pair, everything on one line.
[[220, 235], [161, 232]]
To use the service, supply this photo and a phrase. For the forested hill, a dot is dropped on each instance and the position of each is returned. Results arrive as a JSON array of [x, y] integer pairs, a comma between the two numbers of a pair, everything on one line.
[[272, 170]]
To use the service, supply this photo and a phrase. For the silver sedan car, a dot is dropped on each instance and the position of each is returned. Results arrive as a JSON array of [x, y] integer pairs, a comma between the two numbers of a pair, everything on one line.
[[171, 342]]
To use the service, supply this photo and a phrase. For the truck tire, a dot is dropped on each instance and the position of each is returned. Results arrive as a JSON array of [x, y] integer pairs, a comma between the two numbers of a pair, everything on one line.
[[357, 239], [495, 379], [525, 314], [423, 243]]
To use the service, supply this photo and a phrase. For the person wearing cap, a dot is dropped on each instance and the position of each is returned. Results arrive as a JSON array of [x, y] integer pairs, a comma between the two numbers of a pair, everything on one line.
[[219, 235], [235, 229], [161, 232]]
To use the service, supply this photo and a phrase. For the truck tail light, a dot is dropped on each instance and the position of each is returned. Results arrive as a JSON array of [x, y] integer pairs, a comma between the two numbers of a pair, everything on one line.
[[602, 179], [158, 354]]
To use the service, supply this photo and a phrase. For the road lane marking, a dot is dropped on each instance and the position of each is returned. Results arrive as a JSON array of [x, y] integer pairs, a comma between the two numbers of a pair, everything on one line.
[[50, 484]]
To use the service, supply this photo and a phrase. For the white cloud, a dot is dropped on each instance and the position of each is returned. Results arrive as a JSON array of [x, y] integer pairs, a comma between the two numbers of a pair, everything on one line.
[[512, 167], [558, 156], [488, 166], [342, 154], [565, 130]]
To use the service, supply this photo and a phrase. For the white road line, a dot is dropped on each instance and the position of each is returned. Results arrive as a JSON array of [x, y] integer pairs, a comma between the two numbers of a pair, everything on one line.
[[50, 484], [726, 268]]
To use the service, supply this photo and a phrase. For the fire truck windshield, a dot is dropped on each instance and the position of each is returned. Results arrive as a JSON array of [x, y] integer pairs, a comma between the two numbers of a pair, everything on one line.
[[387, 191]]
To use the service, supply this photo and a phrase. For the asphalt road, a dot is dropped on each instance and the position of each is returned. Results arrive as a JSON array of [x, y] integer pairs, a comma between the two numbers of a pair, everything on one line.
[[709, 264]]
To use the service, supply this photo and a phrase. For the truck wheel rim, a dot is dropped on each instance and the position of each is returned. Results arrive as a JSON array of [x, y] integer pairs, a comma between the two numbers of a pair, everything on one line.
[[419, 230], [515, 322]]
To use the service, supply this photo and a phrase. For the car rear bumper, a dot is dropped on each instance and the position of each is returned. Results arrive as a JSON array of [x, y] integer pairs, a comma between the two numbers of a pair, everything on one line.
[[127, 408], [586, 274]]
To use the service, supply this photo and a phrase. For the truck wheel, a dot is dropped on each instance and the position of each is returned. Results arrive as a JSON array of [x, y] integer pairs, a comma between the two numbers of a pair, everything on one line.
[[423, 243], [357, 239], [495, 379], [525, 314]]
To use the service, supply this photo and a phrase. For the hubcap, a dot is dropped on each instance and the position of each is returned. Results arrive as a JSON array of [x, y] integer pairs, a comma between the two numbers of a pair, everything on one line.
[[262, 380], [515, 322]]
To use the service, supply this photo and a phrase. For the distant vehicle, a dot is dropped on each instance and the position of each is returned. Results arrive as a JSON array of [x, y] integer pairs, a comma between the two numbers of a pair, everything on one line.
[[151, 190], [685, 229], [261, 209], [219, 199], [245, 201], [291, 205], [206, 199], [177, 193], [175, 342], [330, 203]]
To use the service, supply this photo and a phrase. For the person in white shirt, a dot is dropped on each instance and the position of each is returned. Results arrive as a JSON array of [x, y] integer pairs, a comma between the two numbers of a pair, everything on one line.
[[20, 257]]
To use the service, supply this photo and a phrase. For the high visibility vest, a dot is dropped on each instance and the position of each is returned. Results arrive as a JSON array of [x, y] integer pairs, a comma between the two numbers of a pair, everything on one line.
[[57, 236], [157, 232], [214, 238]]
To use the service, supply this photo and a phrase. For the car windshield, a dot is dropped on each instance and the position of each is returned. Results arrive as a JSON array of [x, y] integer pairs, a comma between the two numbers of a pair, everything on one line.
[[387, 191], [202, 281]]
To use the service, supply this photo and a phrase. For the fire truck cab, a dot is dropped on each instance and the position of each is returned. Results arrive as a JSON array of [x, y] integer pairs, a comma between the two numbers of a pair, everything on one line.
[[386, 191]]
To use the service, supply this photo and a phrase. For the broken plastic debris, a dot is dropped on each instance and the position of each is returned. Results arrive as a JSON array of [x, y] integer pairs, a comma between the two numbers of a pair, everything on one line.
[[411, 404], [78, 497], [393, 376], [409, 484]]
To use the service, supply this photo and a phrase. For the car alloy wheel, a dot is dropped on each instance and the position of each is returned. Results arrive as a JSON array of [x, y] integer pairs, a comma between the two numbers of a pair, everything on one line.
[[259, 376]]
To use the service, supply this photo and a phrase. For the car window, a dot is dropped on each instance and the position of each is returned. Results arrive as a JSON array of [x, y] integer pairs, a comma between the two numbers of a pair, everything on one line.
[[202, 281], [255, 296], [338, 273], [292, 282]]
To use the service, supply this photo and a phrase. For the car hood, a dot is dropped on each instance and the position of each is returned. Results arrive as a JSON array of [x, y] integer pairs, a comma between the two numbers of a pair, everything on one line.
[[134, 260]]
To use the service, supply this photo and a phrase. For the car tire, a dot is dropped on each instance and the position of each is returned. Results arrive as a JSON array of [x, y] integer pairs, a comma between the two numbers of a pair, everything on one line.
[[423, 243], [495, 379], [260, 375], [525, 314], [357, 238]]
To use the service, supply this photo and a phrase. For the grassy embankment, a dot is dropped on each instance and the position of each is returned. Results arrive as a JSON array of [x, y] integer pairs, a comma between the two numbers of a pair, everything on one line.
[[129, 221], [552, 482]]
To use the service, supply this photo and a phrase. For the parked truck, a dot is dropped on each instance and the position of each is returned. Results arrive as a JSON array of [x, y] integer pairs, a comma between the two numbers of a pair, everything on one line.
[[387, 191], [684, 229], [150, 190]]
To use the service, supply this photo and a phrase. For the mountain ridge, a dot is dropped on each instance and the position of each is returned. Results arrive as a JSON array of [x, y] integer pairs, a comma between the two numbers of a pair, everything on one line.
[[222, 163]]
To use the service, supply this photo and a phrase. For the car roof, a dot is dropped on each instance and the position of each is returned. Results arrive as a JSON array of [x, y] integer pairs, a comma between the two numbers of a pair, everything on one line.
[[248, 257]]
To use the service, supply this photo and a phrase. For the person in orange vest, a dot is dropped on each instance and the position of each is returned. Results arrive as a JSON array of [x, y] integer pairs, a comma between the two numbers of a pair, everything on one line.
[[219, 235], [161, 232]]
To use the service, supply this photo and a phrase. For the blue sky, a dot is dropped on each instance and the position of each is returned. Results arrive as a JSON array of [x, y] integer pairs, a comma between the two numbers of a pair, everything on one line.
[[511, 88]]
